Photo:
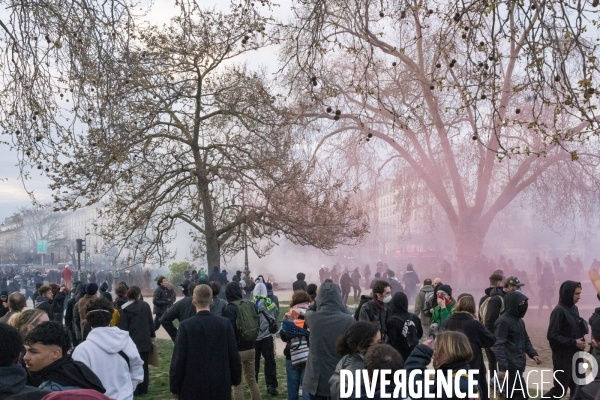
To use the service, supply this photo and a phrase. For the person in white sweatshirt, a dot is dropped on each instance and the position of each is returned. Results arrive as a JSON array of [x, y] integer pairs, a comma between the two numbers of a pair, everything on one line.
[[110, 353]]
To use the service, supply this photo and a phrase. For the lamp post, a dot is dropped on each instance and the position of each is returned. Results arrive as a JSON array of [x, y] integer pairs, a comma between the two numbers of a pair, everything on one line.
[[86, 233]]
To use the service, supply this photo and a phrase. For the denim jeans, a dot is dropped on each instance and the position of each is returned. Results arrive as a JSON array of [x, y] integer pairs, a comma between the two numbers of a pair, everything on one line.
[[294, 380]]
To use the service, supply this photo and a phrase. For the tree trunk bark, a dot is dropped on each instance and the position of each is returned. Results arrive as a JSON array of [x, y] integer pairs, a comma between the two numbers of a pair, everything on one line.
[[213, 252], [469, 239]]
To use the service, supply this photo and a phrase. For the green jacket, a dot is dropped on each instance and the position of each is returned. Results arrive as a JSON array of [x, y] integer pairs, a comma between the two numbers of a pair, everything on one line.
[[441, 314]]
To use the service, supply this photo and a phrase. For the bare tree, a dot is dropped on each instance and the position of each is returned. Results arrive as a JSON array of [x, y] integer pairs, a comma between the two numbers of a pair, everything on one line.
[[175, 129], [482, 102], [42, 223]]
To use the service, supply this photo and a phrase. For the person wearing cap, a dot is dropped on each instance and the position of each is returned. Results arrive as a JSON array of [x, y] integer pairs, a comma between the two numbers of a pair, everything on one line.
[[445, 305], [566, 335]]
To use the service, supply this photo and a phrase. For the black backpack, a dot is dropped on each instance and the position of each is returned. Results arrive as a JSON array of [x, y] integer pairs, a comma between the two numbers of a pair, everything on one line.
[[409, 331], [363, 300]]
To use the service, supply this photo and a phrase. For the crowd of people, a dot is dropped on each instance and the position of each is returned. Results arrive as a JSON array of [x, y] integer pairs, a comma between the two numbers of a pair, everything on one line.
[[224, 337]]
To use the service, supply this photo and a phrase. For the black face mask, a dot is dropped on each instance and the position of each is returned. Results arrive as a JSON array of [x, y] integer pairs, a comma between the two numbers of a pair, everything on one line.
[[522, 309]]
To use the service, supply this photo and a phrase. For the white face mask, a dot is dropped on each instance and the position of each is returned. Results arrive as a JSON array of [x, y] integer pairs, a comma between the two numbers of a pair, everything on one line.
[[387, 299]]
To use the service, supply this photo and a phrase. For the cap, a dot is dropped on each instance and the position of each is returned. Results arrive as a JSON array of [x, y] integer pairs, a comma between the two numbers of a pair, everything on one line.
[[513, 281]]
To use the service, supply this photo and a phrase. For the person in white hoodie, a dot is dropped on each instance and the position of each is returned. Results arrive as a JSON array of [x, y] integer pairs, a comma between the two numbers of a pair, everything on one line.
[[110, 353]]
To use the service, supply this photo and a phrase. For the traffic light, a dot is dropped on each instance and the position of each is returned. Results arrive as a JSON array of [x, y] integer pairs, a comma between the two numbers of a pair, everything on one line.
[[80, 245]]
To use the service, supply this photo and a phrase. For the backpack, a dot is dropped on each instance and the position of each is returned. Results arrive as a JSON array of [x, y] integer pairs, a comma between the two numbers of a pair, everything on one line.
[[247, 322], [409, 331], [484, 306], [363, 300], [429, 298]]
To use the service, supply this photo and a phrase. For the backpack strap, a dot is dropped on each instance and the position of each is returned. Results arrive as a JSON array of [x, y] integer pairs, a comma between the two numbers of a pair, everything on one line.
[[125, 357]]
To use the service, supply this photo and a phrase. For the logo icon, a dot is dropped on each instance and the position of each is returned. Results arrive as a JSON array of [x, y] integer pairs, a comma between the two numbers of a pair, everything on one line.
[[580, 363]]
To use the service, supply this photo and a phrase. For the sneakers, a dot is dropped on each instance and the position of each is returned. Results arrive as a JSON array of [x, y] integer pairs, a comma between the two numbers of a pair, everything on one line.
[[272, 391]]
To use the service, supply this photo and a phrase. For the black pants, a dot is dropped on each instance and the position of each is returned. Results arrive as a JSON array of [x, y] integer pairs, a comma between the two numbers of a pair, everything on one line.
[[520, 388], [357, 292], [157, 321], [544, 299], [142, 387], [562, 365], [266, 348], [345, 294]]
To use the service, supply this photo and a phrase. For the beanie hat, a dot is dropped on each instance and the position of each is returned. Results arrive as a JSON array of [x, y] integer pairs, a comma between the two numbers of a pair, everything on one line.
[[91, 288], [224, 272], [445, 288], [104, 287], [410, 267], [269, 288]]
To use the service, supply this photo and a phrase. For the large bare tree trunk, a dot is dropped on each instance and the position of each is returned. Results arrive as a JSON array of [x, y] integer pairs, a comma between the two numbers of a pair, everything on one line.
[[469, 239]]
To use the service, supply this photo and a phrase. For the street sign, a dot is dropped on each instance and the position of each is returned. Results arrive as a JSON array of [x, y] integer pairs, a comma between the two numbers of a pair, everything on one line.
[[42, 246]]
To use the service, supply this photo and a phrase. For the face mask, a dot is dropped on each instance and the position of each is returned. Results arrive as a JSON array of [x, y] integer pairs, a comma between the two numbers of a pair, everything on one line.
[[522, 309], [387, 299]]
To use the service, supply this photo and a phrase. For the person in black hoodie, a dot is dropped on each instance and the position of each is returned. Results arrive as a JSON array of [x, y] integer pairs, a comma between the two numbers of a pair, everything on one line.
[[136, 318], [72, 327], [215, 276], [4, 309], [49, 364], [463, 320], [234, 295], [161, 300], [44, 301], [312, 291], [59, 295], [512, 344], [181, 310], [104, 292], [13, 377], [300, 283], [566, 331], [398, 319]]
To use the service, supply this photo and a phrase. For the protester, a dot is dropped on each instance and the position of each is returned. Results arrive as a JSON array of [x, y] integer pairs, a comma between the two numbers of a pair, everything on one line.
[[26, 320], [215, 276], [352, 347], [420, 308], [218, 304], [160, 300], [431, 301], [382, 357], [403, 328], [67, 276], [110, 346], [566, 335], [59, 295], [121, 293], [356, 284], [245, 324], [377, 310], [452, 353], [4, 309], [512, 343], [300, 284], [72, 305], [490, 307], [445, 305], [411, 280], [265, 344], [205, 362], [44, 301], [375, 279], [345, 285], [395, 286], [104, 292], [90, 290], [295, 370], [49, 364], [546, 282], [329, 322], [312, 291], [13, 377], [180, 311], [16, 303], [136, 318], [463, 320]]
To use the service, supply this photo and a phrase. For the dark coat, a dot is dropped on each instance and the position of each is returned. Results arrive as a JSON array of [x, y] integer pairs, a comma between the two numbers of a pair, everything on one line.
[[479, 336], [494, 306], [395, 325], [13, 380], [161, 300], [234, 293], [180, 311], [66, 373], [300, 284], [205, 362], [46, 305], [512, 340], [327, 324], [565, 325], [371, 313], [136, 318], [58, 306], [218, 306]]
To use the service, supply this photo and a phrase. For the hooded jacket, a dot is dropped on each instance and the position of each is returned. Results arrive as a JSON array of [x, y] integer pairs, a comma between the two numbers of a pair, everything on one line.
[[100, 351], [263, 304], [45, 304], [395, 324], [13, 380], [233, 292], [494, 306], [300, 284], [512, 340], [161, 300], [65, 374], [326, 325], [136, 318], [565, 325], [420, 304]]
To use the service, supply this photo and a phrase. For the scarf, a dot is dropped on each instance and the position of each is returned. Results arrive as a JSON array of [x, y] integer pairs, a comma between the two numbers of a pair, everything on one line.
[[379, 304], [268, 302]]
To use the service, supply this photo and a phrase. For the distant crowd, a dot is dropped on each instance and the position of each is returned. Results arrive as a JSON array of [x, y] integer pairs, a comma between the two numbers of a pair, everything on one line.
[[79, 340]]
